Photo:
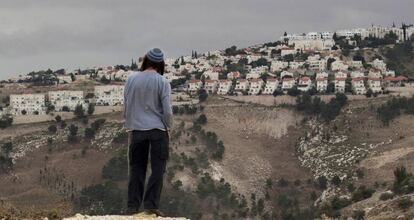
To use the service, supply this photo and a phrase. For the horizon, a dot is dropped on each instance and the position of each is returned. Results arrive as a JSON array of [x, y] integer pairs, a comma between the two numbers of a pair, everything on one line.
[[75, 34]]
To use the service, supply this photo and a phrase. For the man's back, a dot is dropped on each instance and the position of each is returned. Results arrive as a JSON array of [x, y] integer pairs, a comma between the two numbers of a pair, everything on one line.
[[147, 101]]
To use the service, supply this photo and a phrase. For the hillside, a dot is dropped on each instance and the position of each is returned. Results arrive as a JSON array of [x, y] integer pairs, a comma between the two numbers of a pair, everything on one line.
[[245, 160]]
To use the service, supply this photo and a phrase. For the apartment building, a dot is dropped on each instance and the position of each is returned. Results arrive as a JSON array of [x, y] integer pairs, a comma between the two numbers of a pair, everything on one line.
[[30, 104], [242, 85], [111, 95], [375, 84], [67, 98], [358, 86], [255, 86], [224, 87], [211, 86], [271, 85], [194, 85]]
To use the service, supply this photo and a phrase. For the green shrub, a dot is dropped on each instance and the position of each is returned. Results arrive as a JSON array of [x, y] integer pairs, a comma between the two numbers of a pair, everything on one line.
[[362, 193], [101, 199], [405, 203], [386, 196]]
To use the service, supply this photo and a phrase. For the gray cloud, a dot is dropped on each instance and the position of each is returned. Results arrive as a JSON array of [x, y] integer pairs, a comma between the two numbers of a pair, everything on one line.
[[72, 34]]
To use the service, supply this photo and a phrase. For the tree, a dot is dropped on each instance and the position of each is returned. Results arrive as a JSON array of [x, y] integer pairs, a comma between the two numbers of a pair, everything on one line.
[[73, 131], [322, 182], [104, 80], [5, 121], [79, 111], [134, 65], [329, 63], [91, 108], [89, 133], [58, 118], [62, 124], [97, 123], [369, 93], [336, 180], [52, 128], [202, 119], [65, 108], [7, 148], [294, 91], [202, 95]]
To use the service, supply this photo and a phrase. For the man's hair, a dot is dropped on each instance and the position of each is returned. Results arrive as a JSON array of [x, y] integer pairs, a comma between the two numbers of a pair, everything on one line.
[[147, 63]]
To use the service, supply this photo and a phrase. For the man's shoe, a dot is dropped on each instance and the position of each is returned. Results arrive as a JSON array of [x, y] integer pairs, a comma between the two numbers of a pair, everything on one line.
[[131, 211], [156, 212]]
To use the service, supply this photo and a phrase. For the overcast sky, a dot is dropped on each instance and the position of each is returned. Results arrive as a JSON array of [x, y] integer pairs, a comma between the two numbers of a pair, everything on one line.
[[43, 34]]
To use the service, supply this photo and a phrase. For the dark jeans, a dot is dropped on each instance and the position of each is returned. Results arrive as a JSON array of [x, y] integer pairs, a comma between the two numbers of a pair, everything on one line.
[[138, 150]]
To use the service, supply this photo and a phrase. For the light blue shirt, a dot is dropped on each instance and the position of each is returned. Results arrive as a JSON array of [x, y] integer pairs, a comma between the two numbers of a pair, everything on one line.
[[147, 102]]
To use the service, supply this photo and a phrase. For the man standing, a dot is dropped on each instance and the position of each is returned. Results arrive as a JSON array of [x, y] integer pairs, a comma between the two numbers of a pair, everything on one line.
[[148, 114]]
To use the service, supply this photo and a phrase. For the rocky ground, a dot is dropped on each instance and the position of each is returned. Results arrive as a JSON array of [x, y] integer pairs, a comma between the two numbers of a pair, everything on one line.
[[141, 216]]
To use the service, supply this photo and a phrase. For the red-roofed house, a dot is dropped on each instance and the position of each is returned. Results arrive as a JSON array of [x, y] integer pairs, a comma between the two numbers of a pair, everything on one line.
[[211, 86], [194, 85], [224, 87], [395, 81], [242, 85], [340, 84], [305, 83], [322, 84], [288, 83], [358, 86], [375, 84], [255, 86], [233, 75], [271, 86]]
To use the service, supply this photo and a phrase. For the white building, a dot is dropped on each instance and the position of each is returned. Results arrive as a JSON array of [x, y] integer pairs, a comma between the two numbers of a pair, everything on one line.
[[278, 66], [31, 104], [242, 85], [252, 76], [322, 75], [357, 64], [233, 75], [374, 73], [379, 65], [296, 65], [375, 85], [316, 63], [288, 83], [271, 86], [339, 65], [305, 83], [355, 74], [211, 75], [389, 73], [255, 86], [287, 51], [321, 84], [358, 86], [340, 83], [341, 75], [312, 44], [67, 98], [286, 74], [64, 79], [194, 85], [109, 95], [211, 86], [224, 87]]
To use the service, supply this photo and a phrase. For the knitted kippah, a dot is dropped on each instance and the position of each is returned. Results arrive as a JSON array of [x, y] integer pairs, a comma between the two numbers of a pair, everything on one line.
[[155, 55]]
